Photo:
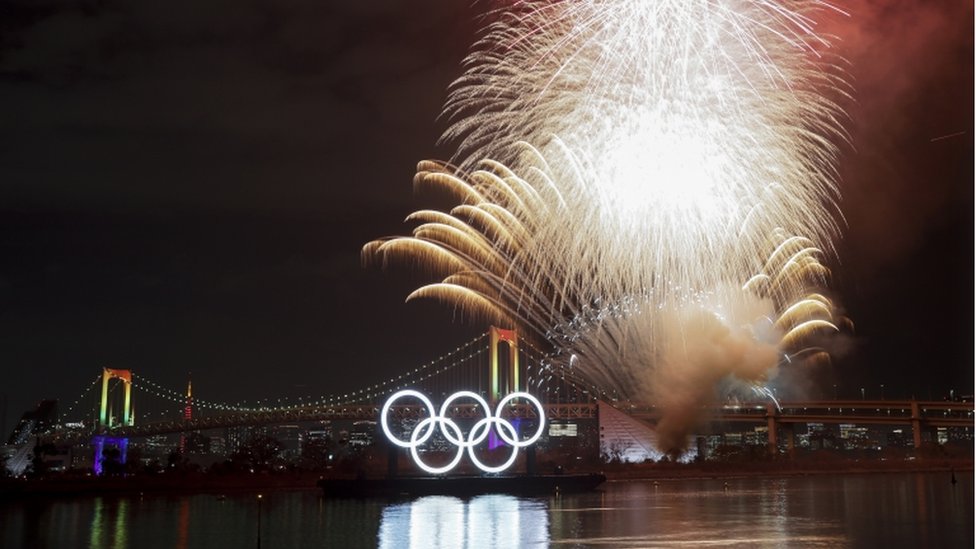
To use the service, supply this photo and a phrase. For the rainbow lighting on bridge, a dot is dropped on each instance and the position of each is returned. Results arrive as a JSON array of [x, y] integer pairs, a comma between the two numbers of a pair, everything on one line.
[[424, 430]]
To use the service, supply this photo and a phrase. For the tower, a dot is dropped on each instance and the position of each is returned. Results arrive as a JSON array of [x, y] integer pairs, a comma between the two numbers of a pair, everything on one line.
[[105, 421], [504, 380], [188, 409], [187, 412], [126, 377]]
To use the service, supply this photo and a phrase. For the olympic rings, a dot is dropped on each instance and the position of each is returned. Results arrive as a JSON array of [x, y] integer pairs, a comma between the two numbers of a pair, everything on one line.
[[452, 432]]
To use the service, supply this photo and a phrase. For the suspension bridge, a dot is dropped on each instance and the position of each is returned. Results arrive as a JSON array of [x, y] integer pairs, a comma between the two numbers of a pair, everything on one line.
[[492, 364]]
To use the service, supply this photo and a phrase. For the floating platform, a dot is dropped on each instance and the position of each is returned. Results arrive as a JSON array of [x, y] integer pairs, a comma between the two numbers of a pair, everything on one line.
[[462, 486]]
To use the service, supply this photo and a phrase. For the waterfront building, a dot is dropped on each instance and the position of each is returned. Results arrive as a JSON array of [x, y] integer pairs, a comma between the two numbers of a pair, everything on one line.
[[290, 437], [362, 434]]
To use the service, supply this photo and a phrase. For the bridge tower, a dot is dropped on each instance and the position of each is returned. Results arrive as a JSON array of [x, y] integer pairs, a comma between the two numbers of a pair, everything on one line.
[[126, 377], [101, 441], [504, 381]]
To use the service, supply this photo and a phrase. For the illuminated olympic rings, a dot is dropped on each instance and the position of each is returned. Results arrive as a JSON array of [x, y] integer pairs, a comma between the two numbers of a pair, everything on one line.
[[425, 429]]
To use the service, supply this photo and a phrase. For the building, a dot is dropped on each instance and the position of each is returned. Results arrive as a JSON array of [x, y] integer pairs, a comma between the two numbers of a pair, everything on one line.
[[853, 437], [290, 437], [34, 421], [362, 434]]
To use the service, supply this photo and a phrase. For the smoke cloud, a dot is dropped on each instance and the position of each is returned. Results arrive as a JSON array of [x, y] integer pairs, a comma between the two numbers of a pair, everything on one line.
[[709, 351]]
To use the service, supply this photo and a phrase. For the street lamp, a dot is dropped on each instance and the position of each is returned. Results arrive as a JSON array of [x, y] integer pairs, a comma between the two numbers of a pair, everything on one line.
[[862, 393], [882, 391], [835, 391]]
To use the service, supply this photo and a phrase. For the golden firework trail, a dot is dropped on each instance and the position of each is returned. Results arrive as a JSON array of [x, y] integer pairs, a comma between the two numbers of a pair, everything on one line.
[[626, 167]]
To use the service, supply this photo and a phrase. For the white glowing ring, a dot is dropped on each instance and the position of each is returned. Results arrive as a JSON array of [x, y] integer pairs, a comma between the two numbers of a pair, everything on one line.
[[443, 419], [535, 402], [487, 422], [415, 443], [452, 432], [386, 408]]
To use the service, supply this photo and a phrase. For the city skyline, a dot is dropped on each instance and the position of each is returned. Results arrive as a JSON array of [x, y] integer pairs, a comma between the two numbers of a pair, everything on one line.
[[190, 194]]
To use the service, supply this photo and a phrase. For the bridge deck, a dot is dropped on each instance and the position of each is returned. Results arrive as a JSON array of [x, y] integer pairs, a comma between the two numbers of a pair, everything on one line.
[[933, 414]]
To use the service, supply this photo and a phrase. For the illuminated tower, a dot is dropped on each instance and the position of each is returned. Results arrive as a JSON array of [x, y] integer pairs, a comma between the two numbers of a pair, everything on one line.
[[126, 377], [504, 378], [504, 381], [105, 421], [187, 412], [188, 409]]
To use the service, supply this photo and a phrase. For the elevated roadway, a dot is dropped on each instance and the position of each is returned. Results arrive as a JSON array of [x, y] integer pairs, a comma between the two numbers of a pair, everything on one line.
[[917, 414]]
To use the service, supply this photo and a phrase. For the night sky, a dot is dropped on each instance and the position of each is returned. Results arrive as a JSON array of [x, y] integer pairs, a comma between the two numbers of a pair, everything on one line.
[[185, 187]]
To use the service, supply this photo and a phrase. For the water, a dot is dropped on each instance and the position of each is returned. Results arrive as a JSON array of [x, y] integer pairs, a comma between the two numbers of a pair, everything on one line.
[[868, 510]]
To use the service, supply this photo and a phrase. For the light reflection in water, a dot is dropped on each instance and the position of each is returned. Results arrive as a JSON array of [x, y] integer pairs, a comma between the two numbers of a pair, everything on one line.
[[483, 521], [689, 513], [921, 506], [110, 521], [183, 526], [121, 538], [853, 510], [777, 509], [95, 538]]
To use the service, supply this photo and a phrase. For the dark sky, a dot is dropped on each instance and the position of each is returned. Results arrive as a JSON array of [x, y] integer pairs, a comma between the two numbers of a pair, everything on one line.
[[185, 187]]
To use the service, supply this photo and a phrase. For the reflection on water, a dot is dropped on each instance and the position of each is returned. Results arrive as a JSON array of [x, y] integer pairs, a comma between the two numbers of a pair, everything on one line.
[[108, 526], [881, 510], [747, 513], [484, 521], [183, 527]]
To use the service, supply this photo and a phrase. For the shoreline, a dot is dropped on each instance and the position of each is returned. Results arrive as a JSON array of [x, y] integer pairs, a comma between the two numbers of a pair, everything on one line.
[[223, 485], [790, 470]]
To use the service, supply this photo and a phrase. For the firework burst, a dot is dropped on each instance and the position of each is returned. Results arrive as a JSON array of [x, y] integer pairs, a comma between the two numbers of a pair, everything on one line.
[[678, 133], [644, 185]]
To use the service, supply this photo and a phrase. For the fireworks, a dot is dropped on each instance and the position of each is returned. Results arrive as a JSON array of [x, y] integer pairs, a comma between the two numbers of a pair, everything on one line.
[[643, 185], [678, 133]]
